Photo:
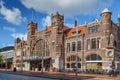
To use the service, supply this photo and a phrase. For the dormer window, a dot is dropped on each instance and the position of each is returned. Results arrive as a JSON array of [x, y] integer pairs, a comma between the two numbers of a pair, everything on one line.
[[73, 33]]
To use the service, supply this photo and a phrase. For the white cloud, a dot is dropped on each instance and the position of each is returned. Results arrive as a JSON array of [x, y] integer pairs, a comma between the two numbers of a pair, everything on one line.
[[9, 29], [46, 21], [11, 15], [67, 7], [20, 35]]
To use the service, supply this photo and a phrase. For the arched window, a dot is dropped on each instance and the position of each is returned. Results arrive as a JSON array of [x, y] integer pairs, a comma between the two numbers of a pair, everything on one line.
[[93, 57], [68, 65], [42, 46], [73, 65], [79, 65], [71, 61], [73, 58]]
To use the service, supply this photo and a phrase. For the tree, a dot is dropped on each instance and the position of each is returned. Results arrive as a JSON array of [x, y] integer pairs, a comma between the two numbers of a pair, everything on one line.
[[1, 58]]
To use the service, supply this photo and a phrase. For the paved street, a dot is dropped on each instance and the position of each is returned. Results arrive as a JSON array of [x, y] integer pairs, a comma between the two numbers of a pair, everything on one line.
[[5, 76]]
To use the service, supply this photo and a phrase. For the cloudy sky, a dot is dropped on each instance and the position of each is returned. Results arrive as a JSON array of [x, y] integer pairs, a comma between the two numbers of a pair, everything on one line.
[[15, 14]]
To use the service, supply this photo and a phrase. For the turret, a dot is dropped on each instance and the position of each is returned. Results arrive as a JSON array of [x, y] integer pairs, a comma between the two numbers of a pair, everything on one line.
[[106, 18], [106, 23], [57, 20]]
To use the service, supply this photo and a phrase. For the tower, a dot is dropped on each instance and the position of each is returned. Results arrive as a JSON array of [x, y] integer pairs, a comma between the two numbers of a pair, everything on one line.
[[57, 38], [106, 23], [57, 20], [32, 29]]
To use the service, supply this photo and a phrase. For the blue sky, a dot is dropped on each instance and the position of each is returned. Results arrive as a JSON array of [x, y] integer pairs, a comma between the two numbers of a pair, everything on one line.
[[15, 14]]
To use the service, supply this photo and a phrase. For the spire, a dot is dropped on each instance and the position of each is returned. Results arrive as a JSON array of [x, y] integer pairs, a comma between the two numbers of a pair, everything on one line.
[[106, 10], [57, 13], [75, 23], [32, 15], [17, 40]]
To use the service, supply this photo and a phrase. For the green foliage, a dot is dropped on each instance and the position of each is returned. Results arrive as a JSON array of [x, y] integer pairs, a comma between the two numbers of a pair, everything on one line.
[[1, 58]]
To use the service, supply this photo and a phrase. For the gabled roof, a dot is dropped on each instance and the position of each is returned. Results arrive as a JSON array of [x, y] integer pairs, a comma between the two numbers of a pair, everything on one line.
[[69, 31], [48, 28]]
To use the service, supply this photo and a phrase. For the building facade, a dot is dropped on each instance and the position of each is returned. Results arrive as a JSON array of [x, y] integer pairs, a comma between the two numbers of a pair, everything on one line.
[[93, 45], [7, 57]]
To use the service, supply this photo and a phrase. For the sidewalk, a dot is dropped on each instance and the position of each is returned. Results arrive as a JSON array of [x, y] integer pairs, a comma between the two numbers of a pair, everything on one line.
[[61, 75]]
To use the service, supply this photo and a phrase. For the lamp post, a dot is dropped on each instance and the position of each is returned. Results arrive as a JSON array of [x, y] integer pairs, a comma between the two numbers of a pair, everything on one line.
[[22, 55], [119, 66], [44, 48], [82, 54], [76, 62]]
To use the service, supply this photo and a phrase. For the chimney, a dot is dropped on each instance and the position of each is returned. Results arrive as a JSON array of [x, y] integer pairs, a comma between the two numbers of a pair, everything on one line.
[[75, 23]]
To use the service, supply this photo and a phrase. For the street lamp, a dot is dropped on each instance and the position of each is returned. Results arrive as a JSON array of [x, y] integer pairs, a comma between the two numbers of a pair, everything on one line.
[[76, 62], [22, 55], [44, 48]]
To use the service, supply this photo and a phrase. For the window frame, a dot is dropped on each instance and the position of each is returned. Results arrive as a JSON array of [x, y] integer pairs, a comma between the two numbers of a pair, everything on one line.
[[73, 46], [88, 44], [93, 43], [93, 29], [68, 47]]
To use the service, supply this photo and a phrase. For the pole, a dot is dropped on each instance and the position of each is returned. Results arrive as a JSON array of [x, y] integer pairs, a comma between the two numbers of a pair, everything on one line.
[[6, 62], [76, 63], [43, 51], [119, 66], [82, 54], [42, 62], [22, 55]]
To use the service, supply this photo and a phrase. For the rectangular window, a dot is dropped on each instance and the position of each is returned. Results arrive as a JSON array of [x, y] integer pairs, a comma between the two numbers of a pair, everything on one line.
[[97, 28], [90, 30], [98, 43], [73, 46], [68, 47], [88, 44], [93, 29], [93, 46], [79, 45]]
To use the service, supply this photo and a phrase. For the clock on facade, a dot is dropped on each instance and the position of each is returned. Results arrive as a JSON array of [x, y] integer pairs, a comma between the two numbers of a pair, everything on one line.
[[109, 53]]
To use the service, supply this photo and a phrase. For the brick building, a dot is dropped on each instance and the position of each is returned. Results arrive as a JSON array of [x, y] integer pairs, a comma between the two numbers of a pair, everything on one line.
[[55, 46]]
